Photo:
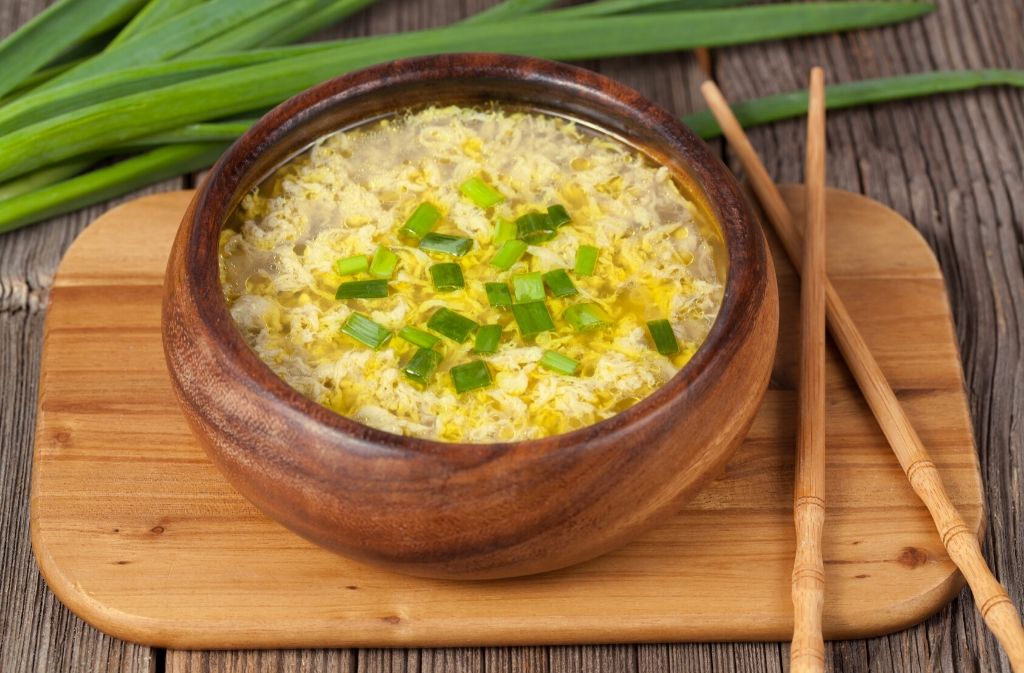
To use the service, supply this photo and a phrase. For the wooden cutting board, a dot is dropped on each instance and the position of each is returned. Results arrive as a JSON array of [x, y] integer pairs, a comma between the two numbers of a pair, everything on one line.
[[138, 534]]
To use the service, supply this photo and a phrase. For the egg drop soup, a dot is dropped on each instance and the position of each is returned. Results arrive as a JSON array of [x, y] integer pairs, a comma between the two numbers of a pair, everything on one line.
[[472, 274]]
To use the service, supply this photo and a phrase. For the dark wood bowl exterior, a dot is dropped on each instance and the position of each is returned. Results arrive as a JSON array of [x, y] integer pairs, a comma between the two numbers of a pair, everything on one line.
[[465, 510]]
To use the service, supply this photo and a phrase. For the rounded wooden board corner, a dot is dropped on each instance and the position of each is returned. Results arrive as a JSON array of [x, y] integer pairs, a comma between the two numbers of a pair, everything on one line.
[[140, 536]]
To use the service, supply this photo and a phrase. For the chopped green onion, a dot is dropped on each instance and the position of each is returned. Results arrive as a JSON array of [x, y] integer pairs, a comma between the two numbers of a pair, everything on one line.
[[504, 230], [586, 260], [509, 254], [421, 365], [418, 337], [535, 228], [362, 289], [448, 323], [421, 221], [487, 338], [480, 193], [527, 288], [471, 376], [663, 336], [558, 216], [559, 283], [383, 263], [366, 331], [352, 265], [532, 318], [447, 277], [450, 245], [585, 317], [557, 362], [498, 295]]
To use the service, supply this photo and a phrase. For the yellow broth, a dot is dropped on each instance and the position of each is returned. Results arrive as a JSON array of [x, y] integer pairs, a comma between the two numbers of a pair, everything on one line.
[[353, 191]]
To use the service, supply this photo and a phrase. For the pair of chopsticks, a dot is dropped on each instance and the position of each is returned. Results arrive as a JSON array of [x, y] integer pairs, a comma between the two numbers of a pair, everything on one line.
[[818, 299]]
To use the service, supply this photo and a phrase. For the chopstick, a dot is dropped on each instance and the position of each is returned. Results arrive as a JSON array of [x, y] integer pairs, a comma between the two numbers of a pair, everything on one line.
[[961, 544], [807, 653]]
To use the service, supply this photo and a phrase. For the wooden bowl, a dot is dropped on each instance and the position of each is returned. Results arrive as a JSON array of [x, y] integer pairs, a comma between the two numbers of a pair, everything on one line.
[[466, 510]]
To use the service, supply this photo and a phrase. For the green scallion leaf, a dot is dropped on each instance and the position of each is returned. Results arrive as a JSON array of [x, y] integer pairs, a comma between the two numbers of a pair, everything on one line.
[[418, 337], [586, 260], [504, 231], [487, 339], [471, 376], [509, 254], [535, 228], [448, 323], [447, 277], [559, 283], [527, 288], [366, 331], [421, 221], [352, 265], [558, 216], [456, 246], [557, 362], [498, 295], [362, 289], [585, 317], [383, 263], [663, 336], [421, 365], [481, 193], [532, 318]]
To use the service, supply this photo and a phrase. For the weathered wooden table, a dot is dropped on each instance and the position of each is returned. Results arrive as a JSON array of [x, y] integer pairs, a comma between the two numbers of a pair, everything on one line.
[[953, 165]]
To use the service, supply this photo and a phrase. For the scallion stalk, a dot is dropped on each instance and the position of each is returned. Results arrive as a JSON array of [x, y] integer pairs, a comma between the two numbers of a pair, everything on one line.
[[535, 228], [487, 339], [447, 277], [421, 221], [663, 336], [418, 337], [498, 295], [352, 265], [383, 263], [527, 288], [586, 317], [452, 325], [558, 216], [457, 246], [557, 362], [362, 289], [421, 366], [532, 319], [153, 14], [559, 283], [509, 254], [586, 260], [481, 193], [366, 331], [470, 376], [504, 231]]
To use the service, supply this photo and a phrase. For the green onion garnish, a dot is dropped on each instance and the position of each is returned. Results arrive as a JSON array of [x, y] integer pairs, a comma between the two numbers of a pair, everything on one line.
[[366, 331], [421, 365], [559, 283], [447, 277], [585, 317], [586, 260], [450, 245], [557, 362], [663, 336], [480, 193], [383, 263], [421, 221], [535, 228], [418, 337], [504, 230], [532, 318], [471, 376], [350, 266], [448, 323], [487, 338], [527, 288], [509, 254], [558, 215], [498, 295], [362, 289]]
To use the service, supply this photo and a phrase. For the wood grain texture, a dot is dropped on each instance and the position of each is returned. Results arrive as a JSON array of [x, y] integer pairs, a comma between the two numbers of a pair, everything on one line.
[[137, 531], [952, 165]]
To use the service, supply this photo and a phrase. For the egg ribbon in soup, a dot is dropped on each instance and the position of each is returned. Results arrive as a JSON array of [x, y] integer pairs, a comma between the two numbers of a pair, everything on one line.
[[471, 274]]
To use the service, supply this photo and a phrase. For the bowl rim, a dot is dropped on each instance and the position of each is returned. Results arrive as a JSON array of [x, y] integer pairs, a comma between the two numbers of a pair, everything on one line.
[[745, 247]]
